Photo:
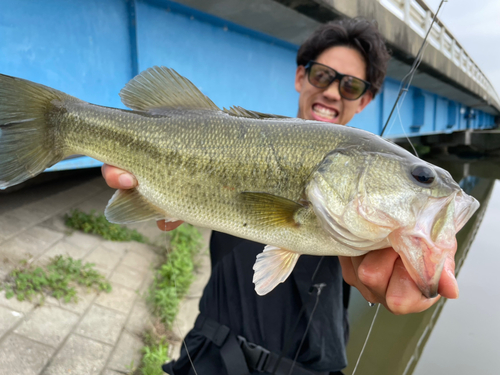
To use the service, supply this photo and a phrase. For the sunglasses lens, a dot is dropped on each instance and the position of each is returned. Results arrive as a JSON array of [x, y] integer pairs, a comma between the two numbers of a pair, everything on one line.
[[320, 76], [352, 88]]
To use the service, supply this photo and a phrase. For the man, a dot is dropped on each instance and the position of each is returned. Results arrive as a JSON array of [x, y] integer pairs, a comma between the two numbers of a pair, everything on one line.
[[340, 69]]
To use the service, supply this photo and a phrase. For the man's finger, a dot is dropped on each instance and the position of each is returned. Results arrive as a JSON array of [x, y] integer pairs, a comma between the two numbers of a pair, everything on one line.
[[375, 270], [349, 273], [117, 178], [168, 225], [403, 295], [448, 286]]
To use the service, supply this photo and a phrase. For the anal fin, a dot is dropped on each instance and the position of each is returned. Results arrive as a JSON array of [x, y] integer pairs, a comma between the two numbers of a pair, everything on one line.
[[129, 206], [273, 266]]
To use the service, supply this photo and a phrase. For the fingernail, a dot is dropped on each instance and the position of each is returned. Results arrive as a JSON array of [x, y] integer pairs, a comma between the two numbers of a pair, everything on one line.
[[452, 275], [126, 181]]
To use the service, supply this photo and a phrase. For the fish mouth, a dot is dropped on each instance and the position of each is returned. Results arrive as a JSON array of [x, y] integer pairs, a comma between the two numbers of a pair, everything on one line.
[[425, 247]]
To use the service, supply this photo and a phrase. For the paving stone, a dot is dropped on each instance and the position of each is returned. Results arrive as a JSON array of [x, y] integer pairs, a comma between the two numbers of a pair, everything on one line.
[[116, 246], [104, 271], [139, 319], [22, 246], [145, 251], [83, 240], [22, 356], [12, 252], [64, 248], [129, 277], [45, 235], [56, 223], [103, 257], [10, 226], [135, 260], [102, 324], [85, 298], [8, 318], [148, 280], [48, 324], [6, 266], [79, 356], [14, 304], [120, 298], [111, 372], [91, 205], [29, 215], [155, 235], [127, 354], [63, 201]]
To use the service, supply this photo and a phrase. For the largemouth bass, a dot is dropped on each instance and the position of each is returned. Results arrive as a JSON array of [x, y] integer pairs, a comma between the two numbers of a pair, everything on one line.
[[301, 187]]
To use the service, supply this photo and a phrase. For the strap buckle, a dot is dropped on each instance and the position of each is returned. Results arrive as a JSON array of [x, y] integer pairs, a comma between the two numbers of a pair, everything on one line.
[[256, 356]]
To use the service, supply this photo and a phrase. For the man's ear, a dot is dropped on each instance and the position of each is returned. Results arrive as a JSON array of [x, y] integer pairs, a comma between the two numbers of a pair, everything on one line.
[[364, 101], [300, 75]]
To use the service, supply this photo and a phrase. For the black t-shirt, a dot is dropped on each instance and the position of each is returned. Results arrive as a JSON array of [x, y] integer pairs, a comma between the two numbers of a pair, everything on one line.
[[230, 299]]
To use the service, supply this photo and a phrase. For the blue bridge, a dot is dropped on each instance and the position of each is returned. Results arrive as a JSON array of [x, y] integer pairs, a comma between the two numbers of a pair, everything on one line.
[[239, 53]]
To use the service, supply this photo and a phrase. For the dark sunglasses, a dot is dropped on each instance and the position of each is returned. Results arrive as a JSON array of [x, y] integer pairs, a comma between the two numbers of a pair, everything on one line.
[[322, 76]]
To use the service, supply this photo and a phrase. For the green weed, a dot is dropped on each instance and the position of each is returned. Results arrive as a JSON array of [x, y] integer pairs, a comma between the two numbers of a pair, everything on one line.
[[58, 279], [173, 278], [97, 224], [155, 354], [171, 283]]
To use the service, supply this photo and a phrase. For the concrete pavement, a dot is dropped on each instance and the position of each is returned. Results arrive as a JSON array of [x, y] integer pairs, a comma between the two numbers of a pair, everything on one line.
[[102, 333]]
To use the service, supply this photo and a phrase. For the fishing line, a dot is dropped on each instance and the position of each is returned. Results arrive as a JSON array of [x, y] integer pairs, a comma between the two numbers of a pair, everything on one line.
[[413, 69], [404, 131], [319, 287], [366, 340], [404, 87], [289, 335]]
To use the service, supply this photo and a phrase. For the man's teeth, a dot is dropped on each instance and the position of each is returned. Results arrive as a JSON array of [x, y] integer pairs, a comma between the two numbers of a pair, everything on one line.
[[324, 112]]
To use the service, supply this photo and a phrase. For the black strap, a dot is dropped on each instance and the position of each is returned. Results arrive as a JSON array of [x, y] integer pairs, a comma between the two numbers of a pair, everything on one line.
[[222, 336], [241, 356], [262, 360]]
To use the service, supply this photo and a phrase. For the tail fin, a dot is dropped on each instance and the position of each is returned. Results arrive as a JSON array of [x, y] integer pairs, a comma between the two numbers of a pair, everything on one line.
[[27, 137]]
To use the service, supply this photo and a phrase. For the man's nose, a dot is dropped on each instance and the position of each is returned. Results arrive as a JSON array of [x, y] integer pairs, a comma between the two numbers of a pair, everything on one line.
[[332, 92]]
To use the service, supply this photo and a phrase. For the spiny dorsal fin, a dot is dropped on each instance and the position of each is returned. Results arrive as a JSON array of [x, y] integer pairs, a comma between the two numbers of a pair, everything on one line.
[[242, 112], [159, 87], [129, 206], [270, 209]]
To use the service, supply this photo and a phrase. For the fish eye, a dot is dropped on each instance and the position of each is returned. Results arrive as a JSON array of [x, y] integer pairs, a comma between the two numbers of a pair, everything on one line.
[[423, 174]]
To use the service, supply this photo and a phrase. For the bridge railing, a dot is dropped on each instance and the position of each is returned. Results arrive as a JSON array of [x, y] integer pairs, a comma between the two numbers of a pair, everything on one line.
[[417, 15]]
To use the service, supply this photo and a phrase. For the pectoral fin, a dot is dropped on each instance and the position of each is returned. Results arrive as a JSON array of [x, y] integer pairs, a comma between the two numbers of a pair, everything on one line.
[[268, 209], [129, 206], [273, 266]]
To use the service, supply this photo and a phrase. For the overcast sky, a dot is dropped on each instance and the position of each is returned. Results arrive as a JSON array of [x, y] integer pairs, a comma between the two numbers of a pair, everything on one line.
[[476, 26]]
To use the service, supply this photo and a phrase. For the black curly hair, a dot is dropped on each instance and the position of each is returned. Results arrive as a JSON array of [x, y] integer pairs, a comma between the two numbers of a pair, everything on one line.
[[357, 33]]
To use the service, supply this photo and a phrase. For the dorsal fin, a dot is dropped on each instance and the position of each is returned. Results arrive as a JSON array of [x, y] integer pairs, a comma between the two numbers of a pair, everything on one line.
[[242, 112], [161, 88]]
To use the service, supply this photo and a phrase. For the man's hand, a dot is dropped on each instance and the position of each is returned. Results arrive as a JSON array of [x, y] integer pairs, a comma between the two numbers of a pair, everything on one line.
[[119, 179], [381, 277]]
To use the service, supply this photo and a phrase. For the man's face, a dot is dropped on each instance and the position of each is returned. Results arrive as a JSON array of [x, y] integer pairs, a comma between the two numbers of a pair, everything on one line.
[[327, 104]]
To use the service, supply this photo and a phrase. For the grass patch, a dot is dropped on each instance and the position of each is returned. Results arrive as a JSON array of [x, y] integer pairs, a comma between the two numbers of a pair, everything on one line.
[[155, 354], [96, 223], [58, 279], [173, 278], [171, 283]]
